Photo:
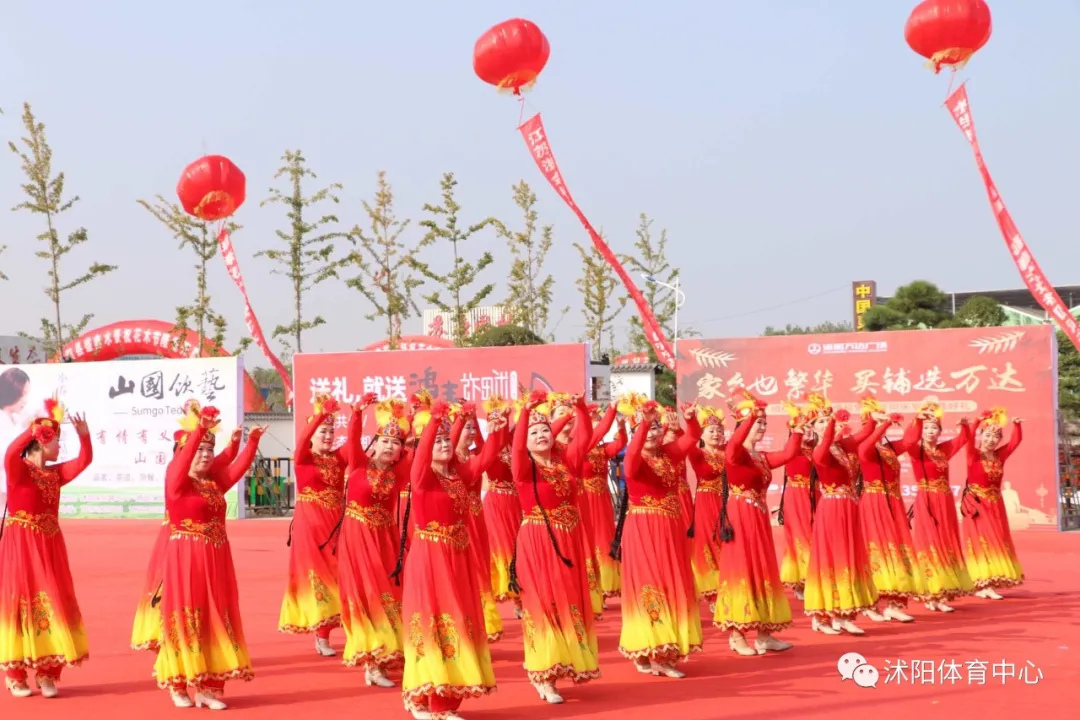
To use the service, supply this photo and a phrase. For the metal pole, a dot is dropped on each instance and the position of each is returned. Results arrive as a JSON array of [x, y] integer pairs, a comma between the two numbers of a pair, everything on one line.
[[675, 329]]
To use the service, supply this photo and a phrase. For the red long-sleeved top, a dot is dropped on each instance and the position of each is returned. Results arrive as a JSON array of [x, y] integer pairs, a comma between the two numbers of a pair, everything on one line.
[[834, 464], [652, 481], [372, 492], [33, 493], [555, 487], [320, 478], [196, 506], [985, 471], [440, 503], [931, 463], [880, 464], [708, 468], [595, 468], [749, 472]]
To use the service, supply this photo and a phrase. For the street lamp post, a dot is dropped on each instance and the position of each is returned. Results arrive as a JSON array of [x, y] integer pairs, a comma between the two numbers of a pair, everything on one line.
[[680, 298]]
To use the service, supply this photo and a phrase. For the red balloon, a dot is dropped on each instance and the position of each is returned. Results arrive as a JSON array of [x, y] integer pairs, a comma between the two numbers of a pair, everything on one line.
[[212, 188], [948, 32], [511, 55]]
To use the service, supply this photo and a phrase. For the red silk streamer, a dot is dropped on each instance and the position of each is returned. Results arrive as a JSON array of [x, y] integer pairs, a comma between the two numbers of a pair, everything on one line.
[[536, 140], [1034, 278], [228, 254]]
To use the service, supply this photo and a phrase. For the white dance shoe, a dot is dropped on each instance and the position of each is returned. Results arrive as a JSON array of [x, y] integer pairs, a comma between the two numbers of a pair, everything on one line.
[[938, 606], [823, 628], [874, 616], [48, 688], [767, 643], [848, 626], [376, 677], [180, 699], [18, 689], [322, 646], [208, 701], [737, 643], [666, 670], [418, 713], [893, 612], [645, 668], [799, 595], [989, 594], [549, 694]]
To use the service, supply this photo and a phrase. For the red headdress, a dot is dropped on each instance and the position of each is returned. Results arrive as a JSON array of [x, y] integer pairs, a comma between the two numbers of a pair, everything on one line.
[[746, 406], [324, 405], [189, 420], [633, 406], [494, 405], [817, 406], [392, 419], [931, 407], [46, 428], [993, 421], [707, 416]]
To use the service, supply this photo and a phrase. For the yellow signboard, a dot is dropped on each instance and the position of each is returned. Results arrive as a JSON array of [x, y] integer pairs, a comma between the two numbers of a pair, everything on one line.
[[863, 297]]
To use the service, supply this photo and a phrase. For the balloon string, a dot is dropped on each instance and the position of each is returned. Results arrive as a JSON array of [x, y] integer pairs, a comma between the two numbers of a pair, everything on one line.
[[952, 81], [521, 114]]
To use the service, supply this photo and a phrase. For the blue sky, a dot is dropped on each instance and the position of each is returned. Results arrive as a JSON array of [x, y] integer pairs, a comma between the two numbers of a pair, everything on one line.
[[788, 147]]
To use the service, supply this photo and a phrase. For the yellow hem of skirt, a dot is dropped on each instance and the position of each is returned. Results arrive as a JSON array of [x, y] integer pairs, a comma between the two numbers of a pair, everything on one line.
[[243, 674], [148, 646], [380, 658], [664, 654], [846, 613], [999, 582], [943, 596], [45, 663], [447, 691], [561, 671], [728, 626], [330, 622]]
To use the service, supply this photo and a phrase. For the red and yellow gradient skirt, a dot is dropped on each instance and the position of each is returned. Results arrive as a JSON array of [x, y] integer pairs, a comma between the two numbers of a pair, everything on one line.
[[480, 557], [502, 515], [839, 581], [41, 627], [705, 559], [936, 535], [798, 531], [146, 629], [370, 600], [557, 619], [892, 558], [598, 523], [446, 649], [311, 600], [661, 621], [202, 638], [988, 544]]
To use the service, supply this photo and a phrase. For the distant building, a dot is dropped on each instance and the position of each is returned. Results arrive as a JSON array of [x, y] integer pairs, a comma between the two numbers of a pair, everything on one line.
[[1021, 307]]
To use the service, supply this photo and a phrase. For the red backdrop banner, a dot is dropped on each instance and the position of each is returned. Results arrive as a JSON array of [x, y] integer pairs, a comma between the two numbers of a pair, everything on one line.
[[967, 370], [459, 374]]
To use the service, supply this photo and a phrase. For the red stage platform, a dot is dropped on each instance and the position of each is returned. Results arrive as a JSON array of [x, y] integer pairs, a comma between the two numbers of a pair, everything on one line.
[[1036, 628]]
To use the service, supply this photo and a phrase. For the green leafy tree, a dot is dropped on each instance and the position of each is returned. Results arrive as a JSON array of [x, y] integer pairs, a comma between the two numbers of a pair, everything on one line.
[[917, 305], [269, 381], [386, 276], [444, 226], [601, 303], [45, 198], [981, 311], [198, 236], [504, 335], [821, 328], [308, 256], [530, 291], [1068, 377], [651, 259]]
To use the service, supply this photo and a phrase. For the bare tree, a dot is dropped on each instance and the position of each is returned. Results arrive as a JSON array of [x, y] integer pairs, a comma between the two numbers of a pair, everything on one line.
[[651, 259], [600, 302], [45, 197], [531, 292], [308, 257]]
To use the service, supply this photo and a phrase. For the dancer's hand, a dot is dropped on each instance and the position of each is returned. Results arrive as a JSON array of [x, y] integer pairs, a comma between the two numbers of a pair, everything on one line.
[[78, 421]]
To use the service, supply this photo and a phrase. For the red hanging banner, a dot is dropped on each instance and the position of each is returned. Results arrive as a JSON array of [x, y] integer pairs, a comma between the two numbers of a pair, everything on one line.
[[1034, 278], [228, 254], [536, 140]]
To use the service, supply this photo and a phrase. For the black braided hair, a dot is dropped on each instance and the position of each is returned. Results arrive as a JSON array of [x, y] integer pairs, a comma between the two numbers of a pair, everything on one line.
[[334, 533], [3, 521], [724, 530], [813, 491], [400, 564], [859, 481], [783, 491], [547, 521], [624, 508], [288, 541], [156, 599], [513, 585]]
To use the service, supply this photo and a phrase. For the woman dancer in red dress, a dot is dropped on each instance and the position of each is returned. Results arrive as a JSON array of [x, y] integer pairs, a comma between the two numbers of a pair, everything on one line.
[[937, 530], [839, 581], [479, 545], [991, 555], [368, 549], [202, 639], [686, 499], [750, 594], [597, 509], [502, 513], [558, 627], [886, 532], [797, 502], [708, 464], [661, 622], [311, 603], [146, 629], [447, 658], [41, 628]]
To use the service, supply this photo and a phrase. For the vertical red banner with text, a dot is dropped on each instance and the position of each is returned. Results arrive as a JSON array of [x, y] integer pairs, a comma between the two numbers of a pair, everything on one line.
[[966, 370]]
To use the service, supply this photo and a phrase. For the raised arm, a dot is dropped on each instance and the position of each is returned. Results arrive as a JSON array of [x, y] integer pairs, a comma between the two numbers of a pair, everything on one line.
[[604, 426], [868, 447], [456, 429], [680, 448], [851, 443], [178, 475], [13, 456], [735, 452], [421, 474], [559, 425], [519, 450], [971, 447], [632, 460], [302, 455], [1016, 436], [613, 448], [72, 468], [953, 446], [478, 437], [912, 436], [483, 461], [354, 441], [823, 452], [783, 457], [582, 440], [226, 456], [227, 477]]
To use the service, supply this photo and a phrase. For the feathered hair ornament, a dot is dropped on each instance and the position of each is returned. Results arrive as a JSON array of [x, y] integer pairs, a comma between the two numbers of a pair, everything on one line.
[[795, 414], [632, 407], [818, 406], [993, 420], [707, 416], [560, 400], [189, 420], [324, 405], [870, 405], [210, 417], [47, 427], [932, 408], [391, 419], [744, 405], [494, 405], [462, 408], [842, 415], [541, 414]]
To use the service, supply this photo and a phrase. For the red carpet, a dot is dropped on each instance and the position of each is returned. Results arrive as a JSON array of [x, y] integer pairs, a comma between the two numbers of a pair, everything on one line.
[[1039, 622]]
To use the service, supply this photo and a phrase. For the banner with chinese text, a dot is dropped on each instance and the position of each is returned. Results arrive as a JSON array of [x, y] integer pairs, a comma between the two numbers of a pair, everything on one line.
[[469, 374], [967, 370], [863, 297], [133, 407]]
